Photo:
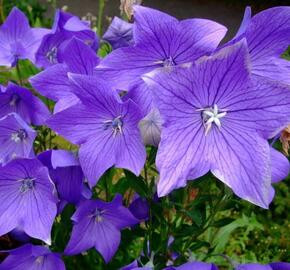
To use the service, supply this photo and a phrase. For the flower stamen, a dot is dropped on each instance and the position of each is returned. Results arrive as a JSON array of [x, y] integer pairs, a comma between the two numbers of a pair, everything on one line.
[[210, 116], [116, 124]]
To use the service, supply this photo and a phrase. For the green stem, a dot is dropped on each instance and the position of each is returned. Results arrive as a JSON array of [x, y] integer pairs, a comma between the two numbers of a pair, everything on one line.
[[100, 16], [19, 74], [149, 201], [2, 17], [210, 219]]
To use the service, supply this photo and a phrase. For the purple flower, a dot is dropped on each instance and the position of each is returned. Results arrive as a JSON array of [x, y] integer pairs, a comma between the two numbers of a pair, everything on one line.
[[268, 36], [271, 266], [119, 33], [139, 208], [104, 126], [280, 165], [32, 257], [20, 100], [160, 44], [16, 138], [54, 83], [280, 266], [18, 40], [97, 224], [218, 118], [66, 173], [65, 27], [27, 199], [194, 265]]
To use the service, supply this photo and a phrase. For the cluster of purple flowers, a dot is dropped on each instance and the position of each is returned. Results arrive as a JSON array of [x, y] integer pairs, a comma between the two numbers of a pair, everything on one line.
[[168, 83]]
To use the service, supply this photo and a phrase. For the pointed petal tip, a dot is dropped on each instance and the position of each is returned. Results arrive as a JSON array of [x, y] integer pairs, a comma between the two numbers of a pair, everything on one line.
[[161, 191]]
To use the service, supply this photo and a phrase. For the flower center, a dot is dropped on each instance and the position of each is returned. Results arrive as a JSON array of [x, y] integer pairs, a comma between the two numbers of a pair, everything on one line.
[[26, 184], [14, 100], [116, 125], [169, 62], [19, 135], [210, 116], [39, 259], [52, 55], [98, 215]]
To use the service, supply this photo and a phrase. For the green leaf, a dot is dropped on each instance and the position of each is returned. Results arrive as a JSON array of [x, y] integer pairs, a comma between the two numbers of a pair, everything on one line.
[[222, 237], [137, 183]]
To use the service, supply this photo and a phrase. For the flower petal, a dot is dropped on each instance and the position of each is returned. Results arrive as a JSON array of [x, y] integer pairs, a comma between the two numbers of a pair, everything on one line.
[[280, 166], [79, 57]]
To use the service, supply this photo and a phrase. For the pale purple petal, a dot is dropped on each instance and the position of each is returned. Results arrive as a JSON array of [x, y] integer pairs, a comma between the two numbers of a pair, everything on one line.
[[130, 151], [117, 214], [108, 240], [65, 103], [268, 34], [273, 68], [263, 106], [145, 21], [96, 156], [32, 41], [79, 57], [119, 33], [77, 123], [280, 166], [130, 266], [245, 23], [53, 82], [15, 26], [142, 95], [63, 158]]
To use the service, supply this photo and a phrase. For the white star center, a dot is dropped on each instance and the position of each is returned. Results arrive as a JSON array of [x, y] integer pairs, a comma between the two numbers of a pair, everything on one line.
[[212, 115]]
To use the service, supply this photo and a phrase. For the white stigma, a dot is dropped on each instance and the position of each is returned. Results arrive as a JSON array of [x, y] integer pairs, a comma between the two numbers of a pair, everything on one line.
[[210, 116]]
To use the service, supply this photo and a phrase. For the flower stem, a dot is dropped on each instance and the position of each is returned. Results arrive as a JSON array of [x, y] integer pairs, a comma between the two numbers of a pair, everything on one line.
[[19, 74], [2, 17], [100, 16]]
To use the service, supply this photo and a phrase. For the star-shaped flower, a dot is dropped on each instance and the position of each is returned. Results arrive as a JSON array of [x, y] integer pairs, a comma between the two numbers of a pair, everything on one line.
[[19, 100], [27, 199], [160, 44], [54, 83], [218, 118], [65, 27], [18, 40], [16, 138], [32, 257], [104, 126], [97, 224]]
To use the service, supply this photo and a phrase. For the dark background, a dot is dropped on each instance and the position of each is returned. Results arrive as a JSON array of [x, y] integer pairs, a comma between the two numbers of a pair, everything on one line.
[[226, 12]]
